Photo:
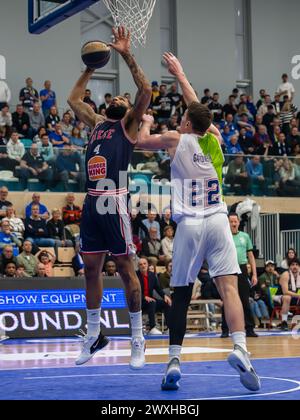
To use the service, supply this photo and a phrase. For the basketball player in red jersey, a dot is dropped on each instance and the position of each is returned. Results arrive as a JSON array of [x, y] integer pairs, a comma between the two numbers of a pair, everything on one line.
[[108, 154]]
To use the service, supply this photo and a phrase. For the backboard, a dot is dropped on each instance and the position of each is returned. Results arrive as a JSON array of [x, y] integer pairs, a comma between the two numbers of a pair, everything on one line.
[[42, 14]]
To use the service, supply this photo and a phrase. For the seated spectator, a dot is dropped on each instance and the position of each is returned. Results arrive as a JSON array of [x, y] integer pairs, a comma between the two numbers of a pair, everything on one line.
[[268, 119], [21, 273], [33, 165], [41, 271], [281, 147], [151, 222], [216, 108], [7, 257], [46, 149], [72, 215], [166, 220], [56, 230], [69, 166], [151, 247], [77, 263], [58, 138], [76, 140], [286, 115], [261, 136], [36, 118], [258, 307], [29, 96], [27, 259], [8, 238], [87, 99], [103, 107], [149, 283], [207, 98], [270, 277], [264, 108], [48, 260], [165, 278], [256, 174], [10, 270], [16, 224], [4, 204], [66, 124], [290, 256], [137, 226], [168, 242], [246, 141], [230, 107], [43, 211], [6, 121], [288, 293], [21, 122], [288, 185], [237, 175], [52, 119], [15, 149], [243, 121], [110, 269], [294, 138], [38, 137], [36, 229], [84, 132], [226, 134], [173, 123], [233, 147], [144, 205]]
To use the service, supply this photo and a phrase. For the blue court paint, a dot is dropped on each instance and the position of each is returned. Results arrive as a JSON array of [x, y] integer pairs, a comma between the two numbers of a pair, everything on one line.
[[205, 380]]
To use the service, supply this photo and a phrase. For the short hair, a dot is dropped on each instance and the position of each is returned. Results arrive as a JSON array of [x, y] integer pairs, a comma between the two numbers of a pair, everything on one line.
[[200, 117], [285, 75], [167, 228], [108, 95], [233, 214], [294, 261]]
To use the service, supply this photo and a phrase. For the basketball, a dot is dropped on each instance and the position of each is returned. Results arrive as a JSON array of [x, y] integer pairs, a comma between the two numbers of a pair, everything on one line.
[[95, 54]]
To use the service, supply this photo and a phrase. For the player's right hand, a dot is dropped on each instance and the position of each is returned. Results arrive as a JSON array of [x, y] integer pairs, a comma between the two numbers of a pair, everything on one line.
[[148, 119], [174, 65]]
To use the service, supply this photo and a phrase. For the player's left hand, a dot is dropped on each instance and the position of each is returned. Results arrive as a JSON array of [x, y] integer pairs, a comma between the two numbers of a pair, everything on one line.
[[148, 119], [122, 40], [254, 280], [168, 300]]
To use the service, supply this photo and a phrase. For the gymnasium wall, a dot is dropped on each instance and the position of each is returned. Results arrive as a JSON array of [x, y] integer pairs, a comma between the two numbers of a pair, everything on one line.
[[54, 55]]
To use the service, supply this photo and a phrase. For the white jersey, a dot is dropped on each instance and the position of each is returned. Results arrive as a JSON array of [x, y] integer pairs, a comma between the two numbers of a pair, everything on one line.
[[196, 173]]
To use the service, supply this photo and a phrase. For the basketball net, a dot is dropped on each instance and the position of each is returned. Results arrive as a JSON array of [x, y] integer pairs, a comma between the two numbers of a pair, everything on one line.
[[135, 15]]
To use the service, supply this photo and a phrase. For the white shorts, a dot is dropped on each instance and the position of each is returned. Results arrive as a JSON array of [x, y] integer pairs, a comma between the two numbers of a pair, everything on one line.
[[207, 239]]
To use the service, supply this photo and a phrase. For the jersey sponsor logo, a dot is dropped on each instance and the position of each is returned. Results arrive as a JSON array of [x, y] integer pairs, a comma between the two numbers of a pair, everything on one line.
[[97, 168], [199, 158]]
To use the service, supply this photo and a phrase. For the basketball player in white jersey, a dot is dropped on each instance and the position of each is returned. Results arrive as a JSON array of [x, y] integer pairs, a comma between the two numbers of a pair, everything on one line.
[[203, 231]]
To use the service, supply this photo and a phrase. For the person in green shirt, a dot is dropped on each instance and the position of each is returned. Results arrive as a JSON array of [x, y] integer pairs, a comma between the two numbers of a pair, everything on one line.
[[244, 248]]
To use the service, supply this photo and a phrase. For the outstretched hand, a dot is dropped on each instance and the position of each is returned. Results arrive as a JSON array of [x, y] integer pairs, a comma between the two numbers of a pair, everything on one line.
[[122, 40], [148, 119], [174, 65]]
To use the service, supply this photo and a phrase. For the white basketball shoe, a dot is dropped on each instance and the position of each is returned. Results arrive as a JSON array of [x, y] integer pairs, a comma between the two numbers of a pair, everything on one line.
[[91, 345], [172, 377], [137, 360], [239, 360]]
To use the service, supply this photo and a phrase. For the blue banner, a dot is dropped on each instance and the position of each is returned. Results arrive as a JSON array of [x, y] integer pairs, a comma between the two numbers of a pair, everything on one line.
[[33, 300]]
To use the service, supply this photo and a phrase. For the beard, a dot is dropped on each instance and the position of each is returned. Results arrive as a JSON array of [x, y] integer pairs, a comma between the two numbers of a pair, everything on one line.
[[116, 112]]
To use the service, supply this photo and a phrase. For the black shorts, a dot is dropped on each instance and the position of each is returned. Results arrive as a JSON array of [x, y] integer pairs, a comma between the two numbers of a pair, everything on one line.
[[105, 226]]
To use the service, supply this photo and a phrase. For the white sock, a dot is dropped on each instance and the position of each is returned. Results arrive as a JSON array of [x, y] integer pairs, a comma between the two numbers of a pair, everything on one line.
[[136, 324], [239, 338], [93, 322], [284, 317], [174, 351]]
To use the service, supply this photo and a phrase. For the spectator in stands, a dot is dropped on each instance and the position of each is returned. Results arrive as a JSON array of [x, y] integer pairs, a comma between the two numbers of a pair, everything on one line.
[[41, 271], [243, 121], [48, 98], [165, 278], [36, 200], [151, 222], [258, 306], [58, 138], [149, 283], [288, 293], [163, 105], [288, 185], [84, 131], [27, 259], [47, 258], [286, 116], [151, 247], [46, 149], [110, 269], [263, 109], [15, 149], [216, 108], [107, 101], [237, 175], [246, 141], [293, 139], [5, 94], [29, 95], [21, 273], [4, 203], [56, 230], [36, 118], [137, 226], [6, 121], [38, 137], [173, 123], [7, 257], [176, 98], [66, 124], [69, 167], [230, 107], [207, 98], [72, 215], [290, 256], [16, 224], [21, 122], [233, 147], [269, 278], [268, 119], [155, 92], [144, 205], [77, 262], [52, 119], [282, 148], [8, 238], [33, 165], [168, 242], [88, 100], [286, 88], [166, 220], [261, 136], [11, 270], [76, 140], [256, 174], [277, 104], [36, 229], [262, 94]]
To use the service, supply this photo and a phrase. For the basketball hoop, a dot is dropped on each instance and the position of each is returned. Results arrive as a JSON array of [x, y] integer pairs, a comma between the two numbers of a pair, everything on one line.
[[135, 15]]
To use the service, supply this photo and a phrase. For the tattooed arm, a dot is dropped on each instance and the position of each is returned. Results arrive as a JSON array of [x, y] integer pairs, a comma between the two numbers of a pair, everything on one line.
[[143, 97]]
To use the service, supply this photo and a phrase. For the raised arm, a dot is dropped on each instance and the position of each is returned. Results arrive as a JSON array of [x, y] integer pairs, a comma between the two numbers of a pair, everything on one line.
[[82, 110], [122, 46]]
